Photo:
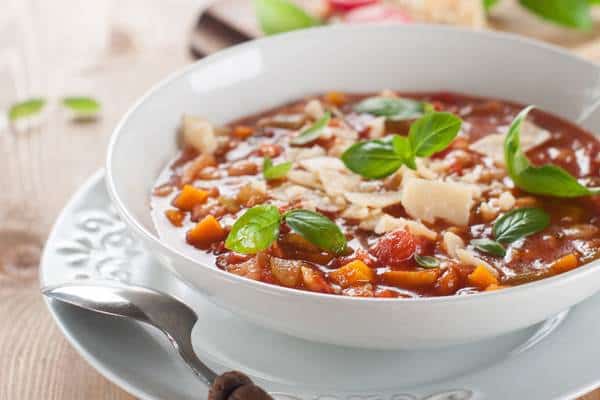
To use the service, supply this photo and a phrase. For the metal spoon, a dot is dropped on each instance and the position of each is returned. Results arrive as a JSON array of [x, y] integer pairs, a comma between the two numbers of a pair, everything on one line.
[[166, 313]]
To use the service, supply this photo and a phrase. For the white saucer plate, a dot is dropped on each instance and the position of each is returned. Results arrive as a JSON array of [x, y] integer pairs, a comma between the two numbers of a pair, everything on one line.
[[554, 360]]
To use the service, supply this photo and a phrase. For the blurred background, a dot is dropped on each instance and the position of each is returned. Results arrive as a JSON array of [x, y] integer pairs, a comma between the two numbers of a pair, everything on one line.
[[70, 69]]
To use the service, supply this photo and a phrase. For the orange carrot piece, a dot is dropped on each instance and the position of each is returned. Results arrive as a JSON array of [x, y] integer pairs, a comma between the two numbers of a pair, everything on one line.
[[242, 131], [564, 264], [411, 279], [335, 98], [175, 217], [495, 286], [206, 232], [189, 197], [482, 278], [353, 273]]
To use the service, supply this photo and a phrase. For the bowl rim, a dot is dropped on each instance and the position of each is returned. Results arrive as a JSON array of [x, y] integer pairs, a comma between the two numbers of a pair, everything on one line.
[[134, 224]]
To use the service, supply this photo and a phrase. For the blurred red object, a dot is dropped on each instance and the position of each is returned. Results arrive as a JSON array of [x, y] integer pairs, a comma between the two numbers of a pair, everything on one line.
[[347, 5], [377, 13]]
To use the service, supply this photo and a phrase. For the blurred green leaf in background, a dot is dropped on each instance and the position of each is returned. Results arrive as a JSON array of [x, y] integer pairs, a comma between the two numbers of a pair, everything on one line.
[[278, 16]]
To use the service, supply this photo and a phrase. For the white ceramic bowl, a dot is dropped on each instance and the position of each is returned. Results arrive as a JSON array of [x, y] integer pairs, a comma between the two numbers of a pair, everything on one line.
[[268, 72]]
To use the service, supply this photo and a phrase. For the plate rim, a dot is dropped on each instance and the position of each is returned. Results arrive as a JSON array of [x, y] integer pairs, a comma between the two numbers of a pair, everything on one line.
[[96, 180]]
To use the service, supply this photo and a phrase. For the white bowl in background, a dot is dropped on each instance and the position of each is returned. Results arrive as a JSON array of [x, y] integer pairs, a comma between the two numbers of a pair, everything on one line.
[[268, 72]]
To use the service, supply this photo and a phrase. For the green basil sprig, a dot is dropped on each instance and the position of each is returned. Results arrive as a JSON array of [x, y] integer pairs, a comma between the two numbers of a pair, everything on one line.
[[571, 13], [488, 4], [433, 133], [548, 180], [520, 223], [278, 171], [255, 230], [313, 132], [277, 16], [393, 108], [512, 226], [489, 246], [379, 158], [258, 228], [427, 261], [317, 229], [27, 108]]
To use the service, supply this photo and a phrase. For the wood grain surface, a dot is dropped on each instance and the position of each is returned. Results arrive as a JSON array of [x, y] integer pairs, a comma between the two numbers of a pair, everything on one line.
[[114, 51]]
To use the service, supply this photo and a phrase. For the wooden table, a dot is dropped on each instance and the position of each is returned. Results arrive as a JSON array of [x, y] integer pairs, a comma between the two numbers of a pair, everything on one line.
[[113, 50]]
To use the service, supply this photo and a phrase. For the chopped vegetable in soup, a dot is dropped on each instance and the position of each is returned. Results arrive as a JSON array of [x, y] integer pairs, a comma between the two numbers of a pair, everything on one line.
[[385, 195]]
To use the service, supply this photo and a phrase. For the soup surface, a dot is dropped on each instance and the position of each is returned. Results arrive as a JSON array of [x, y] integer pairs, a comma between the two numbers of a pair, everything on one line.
[[384, 195]]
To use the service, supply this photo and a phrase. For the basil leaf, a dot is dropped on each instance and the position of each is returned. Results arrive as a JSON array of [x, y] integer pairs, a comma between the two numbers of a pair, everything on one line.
[[82, 106], [488, 4], [433, 133], [317, 229], [271, 171], [489, 246], [373, 159], [571, 13], [520, 223], [403, 149], [26, 108], [548, 180], [427, 261], [313, 132], [254, 231], [392, 107], [277, 16]]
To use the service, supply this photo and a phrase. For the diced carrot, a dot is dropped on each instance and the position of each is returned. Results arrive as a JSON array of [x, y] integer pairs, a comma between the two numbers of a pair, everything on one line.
[[206, 232], [482, 278], [495, 286], [175, 217], [564, 264], [189, 197], [242, 131], [411, 279], [335, 98], [353, 273]]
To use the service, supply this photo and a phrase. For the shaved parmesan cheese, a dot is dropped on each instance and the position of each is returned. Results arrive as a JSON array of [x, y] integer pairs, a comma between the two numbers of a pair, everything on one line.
[[335, 183], [387, 223], [314, 109], [423, 169], [467, 257], [339, 146], [506, 201], [199, 133], [451, 242], [376, 127], [304, 178], [319, 163], [344, 133], [493, 145], [428, 200], [368, 224], [356, 212], [288, 192], [374, 200], [301, 153]]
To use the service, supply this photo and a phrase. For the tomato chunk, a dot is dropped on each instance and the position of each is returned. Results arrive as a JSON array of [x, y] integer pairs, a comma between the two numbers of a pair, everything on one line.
[[394, 247], [377, 13], [347, 5]]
